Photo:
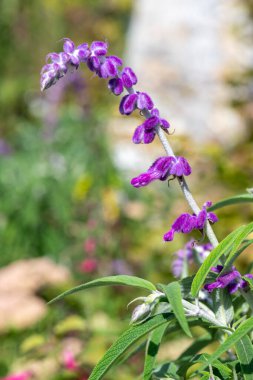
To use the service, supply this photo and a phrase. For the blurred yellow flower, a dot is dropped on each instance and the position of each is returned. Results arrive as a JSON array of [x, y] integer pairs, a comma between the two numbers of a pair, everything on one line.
[[81, 187], [110, 206]]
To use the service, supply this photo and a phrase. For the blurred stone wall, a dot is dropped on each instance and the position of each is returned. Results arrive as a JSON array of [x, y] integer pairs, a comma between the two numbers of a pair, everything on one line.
[[182, 52]]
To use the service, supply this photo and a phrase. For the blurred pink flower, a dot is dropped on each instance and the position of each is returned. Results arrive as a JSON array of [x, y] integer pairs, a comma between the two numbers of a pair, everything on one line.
[[92, 224], [69, 361], [90, 245], [88, 265], [26, 375]]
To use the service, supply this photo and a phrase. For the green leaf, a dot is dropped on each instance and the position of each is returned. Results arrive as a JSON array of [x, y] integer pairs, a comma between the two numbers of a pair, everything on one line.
[[212, 260], [236, 336], [224, 370], [153, 345], [244, 351], [242, 198], [247, 243], [110, 280], [166, 371], [245, 230], [173, 293], [249, 281], [222, 306], [128, 338], [184, 360]]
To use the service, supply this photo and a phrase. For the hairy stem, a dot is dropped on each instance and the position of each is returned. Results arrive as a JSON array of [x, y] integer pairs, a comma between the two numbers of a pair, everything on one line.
[[182, 182]]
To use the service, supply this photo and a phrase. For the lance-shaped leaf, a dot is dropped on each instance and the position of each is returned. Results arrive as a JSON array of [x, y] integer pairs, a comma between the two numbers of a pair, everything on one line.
[[107, 281], [237, 242], [173, 293], [235, 337], [244, 351], [224, 370], [127, 339], [242, 198], [185, 359], [229, 262], [249, 281], [153, 345], [212, 259]]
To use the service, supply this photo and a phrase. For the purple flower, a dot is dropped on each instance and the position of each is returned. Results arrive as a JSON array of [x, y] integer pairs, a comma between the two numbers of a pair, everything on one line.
[[146, 131], [76, 55], [186, 223], [161, 169], [50, 74], [139, 100], [180, 166], [126, 78], [93, 63], [231, 280], [98, 48], [186, 256], [128, 104]]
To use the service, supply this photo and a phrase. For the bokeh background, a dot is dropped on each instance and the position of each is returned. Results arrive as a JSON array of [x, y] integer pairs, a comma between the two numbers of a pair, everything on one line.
[[68, 213]]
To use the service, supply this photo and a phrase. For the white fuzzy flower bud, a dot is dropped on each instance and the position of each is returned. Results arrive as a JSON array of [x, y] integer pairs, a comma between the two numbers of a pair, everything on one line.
[[140, 312]]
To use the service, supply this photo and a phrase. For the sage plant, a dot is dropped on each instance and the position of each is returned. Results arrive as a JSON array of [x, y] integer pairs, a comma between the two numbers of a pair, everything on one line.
[[218, 297]]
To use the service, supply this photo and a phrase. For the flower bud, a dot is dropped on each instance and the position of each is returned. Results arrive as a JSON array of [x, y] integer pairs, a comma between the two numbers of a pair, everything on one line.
[[141, 312]]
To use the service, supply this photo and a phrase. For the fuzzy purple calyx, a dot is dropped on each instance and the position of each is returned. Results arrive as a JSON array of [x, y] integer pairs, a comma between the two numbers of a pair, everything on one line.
[[109, 67], [128, 77], [98, 48], [115, 85], [139, 100], [76, 54], [146, 132]]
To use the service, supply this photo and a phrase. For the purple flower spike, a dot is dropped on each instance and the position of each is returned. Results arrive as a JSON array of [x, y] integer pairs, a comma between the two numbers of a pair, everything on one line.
[[115, 85], [147, 130], [128, 77], [186, 223]]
